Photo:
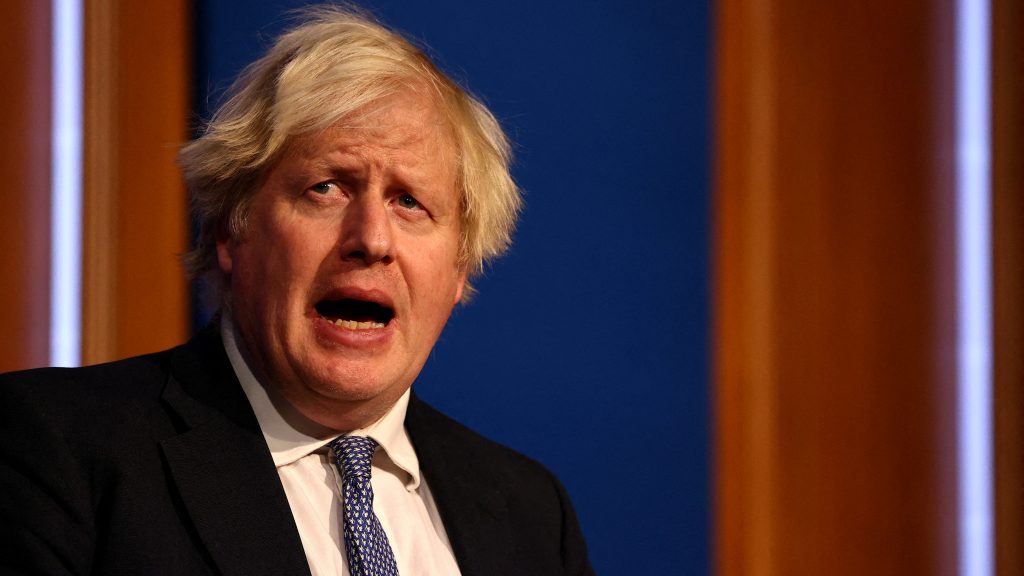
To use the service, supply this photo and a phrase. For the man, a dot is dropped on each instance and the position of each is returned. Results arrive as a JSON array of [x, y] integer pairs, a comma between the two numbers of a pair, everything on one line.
[[347, 192]]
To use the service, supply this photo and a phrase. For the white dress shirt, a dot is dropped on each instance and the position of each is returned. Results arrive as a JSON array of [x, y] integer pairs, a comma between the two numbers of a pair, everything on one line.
[[402, 499]]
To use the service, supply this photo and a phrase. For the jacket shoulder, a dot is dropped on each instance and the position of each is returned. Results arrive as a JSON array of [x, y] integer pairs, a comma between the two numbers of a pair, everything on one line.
[[429, 426], [66, 393], [468, 472]]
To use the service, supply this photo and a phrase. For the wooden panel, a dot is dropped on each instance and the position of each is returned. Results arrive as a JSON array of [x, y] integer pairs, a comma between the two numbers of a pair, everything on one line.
[[25, 200], [835, 317], [1008, 247], [136, 218]]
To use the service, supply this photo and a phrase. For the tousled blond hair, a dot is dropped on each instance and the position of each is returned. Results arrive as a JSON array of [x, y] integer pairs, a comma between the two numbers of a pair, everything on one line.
[[332, 65]]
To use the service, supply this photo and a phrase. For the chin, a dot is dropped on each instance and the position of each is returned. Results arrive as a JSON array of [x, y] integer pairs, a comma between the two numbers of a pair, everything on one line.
[[348, 385]]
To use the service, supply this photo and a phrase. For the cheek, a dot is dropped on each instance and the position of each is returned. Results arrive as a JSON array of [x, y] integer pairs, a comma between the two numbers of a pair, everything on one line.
[[284, 252], [255, 264], [441, 289]]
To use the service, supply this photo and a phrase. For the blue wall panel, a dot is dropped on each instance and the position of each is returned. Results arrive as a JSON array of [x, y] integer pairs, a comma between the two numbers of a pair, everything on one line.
[[587, 345]]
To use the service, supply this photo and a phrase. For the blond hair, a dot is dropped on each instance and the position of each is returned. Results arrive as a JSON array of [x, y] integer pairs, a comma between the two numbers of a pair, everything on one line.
[[336, 62]]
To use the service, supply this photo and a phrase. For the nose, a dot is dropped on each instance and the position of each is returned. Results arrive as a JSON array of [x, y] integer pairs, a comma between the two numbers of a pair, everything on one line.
[[366, 234]]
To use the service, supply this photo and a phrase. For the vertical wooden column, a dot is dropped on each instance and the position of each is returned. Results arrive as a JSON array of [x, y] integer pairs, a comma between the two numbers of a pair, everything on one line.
[[25, 199], [1008, 269], [835, 309], [136, 223]]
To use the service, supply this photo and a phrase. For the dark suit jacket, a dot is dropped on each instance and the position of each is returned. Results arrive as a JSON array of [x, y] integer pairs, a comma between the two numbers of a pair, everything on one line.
[[156, 465]]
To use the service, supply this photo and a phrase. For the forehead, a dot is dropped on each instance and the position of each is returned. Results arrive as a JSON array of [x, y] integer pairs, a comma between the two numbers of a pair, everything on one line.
[[403, 130]]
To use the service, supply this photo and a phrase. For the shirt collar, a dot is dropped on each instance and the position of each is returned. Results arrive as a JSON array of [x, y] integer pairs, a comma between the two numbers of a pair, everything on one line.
[[290, 436]]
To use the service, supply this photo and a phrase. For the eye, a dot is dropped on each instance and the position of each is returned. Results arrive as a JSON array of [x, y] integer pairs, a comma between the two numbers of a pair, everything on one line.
[[407, 201], [323, 188]]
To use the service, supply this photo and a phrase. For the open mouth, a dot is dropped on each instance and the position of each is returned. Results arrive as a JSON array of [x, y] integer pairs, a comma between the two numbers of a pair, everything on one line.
[[355, 314]]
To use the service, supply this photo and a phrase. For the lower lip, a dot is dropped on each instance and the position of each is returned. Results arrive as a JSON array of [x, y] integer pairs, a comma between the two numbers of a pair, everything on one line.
[[366, 338]]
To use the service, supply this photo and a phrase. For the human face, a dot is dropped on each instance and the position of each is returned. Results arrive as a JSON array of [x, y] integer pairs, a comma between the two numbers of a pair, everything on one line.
[[348, 268]]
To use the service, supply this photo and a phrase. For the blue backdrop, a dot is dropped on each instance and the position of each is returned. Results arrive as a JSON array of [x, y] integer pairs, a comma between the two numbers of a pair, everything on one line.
[[587, 345]]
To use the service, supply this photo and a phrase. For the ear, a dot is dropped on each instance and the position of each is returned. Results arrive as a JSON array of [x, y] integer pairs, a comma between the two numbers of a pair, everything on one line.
[[459, 287], [225, 246]]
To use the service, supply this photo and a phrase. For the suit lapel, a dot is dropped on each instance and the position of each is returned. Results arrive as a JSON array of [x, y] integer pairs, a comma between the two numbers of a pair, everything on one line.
[[223, 470], [474, 512]]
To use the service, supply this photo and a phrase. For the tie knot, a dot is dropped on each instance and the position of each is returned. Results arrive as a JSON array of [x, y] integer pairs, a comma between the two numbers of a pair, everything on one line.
[[354, 455]]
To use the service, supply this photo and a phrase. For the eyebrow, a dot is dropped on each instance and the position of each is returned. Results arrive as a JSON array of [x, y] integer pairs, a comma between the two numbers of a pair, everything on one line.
[[356, 174]]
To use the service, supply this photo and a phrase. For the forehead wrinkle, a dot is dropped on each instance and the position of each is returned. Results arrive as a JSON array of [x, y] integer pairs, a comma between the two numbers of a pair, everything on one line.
[[402, 149], [401, 136]]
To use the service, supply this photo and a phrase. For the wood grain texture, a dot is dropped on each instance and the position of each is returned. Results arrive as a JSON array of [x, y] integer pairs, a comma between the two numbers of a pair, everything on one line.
[[25, 200], [136, 223], [835, 318], [1008, 270]]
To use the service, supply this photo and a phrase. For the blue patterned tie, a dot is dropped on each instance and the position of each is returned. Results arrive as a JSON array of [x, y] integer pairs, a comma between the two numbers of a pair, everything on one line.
[[366, 545]]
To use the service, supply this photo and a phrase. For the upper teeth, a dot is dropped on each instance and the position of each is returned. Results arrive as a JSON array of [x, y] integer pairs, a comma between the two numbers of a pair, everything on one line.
[[353, 325]]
